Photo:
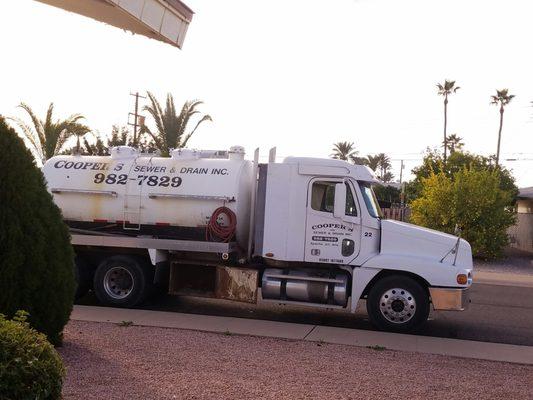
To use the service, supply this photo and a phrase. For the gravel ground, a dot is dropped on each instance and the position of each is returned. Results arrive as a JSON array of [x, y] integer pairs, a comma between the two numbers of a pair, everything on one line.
[[106, 361]]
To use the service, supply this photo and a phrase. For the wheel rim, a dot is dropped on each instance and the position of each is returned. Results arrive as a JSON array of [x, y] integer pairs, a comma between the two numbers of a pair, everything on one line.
[[118, 283], [397, 305]]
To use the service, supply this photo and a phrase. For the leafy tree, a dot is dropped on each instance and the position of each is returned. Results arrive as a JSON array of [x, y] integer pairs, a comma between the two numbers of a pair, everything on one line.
[[446, 89], [502, 99], [343, 151], [433, 163], [387, 193], [47, 137], [453, 142], [36, 266], [171, 127], [473, 199]]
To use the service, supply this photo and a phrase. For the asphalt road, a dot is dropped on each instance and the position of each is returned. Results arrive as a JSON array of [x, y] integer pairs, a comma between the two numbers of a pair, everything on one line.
[[500, 314]]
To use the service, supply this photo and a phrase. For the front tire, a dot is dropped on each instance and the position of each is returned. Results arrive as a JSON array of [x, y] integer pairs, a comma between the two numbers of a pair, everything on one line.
[[123, 281], [397, 304]]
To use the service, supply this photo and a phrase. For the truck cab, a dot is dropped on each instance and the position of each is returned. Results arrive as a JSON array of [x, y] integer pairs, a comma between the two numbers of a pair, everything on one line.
[[323, 214]]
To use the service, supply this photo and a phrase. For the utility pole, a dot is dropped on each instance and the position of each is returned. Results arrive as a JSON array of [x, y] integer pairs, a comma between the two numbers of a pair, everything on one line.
[[136, 117], [401, 171]]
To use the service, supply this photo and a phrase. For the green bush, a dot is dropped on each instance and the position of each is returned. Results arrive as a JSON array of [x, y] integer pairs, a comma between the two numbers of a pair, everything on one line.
[[36, 263], [474, 200], [30, 367]]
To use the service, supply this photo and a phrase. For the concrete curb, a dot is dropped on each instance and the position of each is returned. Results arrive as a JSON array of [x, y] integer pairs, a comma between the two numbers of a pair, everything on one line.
[[326, 334], [503, 279]]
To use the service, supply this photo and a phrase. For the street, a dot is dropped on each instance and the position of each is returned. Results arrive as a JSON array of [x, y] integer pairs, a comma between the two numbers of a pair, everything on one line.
[[499, 314]]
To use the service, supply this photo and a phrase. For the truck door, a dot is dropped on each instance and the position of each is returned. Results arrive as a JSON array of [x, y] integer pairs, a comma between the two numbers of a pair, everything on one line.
[[333, 225]]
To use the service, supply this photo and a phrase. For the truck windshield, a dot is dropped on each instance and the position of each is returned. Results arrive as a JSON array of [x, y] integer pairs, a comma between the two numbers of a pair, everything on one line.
[[370, 200]]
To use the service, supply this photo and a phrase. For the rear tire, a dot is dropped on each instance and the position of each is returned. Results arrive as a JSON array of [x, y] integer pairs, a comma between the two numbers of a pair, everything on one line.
[[123, 281], [398, 304]]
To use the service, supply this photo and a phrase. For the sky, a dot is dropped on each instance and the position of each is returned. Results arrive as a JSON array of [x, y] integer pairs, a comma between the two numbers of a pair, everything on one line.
[[298, 75]]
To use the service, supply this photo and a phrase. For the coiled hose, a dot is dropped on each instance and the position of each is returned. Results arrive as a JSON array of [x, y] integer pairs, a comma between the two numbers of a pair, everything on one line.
[[215, 231]]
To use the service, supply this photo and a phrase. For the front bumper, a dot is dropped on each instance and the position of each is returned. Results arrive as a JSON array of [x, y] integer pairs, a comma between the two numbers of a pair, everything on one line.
[[449, 299]]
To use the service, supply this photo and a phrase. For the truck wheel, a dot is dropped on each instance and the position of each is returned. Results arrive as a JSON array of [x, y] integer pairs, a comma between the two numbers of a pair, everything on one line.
[[82, 274], [397, 304], [123, 281]]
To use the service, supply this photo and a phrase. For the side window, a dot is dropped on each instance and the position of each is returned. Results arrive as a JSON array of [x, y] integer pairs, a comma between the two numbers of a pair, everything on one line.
[[323, 196], [350, 203]]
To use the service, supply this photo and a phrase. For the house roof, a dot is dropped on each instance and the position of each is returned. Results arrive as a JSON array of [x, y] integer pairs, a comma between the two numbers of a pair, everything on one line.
[[163, 20], [525, 193]]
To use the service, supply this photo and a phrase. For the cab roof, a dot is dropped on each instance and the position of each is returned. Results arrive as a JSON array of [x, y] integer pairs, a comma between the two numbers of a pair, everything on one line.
[[332, 167]]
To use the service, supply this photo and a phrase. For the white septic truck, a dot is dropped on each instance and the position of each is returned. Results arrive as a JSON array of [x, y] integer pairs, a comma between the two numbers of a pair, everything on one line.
[[305, 231]]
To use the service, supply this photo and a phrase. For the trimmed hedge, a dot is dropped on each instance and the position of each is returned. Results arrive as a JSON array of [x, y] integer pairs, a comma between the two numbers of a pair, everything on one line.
[[37, 260], [30, 367]]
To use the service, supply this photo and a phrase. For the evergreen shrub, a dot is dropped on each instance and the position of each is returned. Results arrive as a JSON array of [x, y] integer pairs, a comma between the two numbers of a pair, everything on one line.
[[36, 258]]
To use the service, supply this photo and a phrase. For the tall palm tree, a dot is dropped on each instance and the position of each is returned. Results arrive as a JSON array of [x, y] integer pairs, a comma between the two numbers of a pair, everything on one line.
[[170, 126], [343, 151], [445, 90], [48, 137], [502, 98], [454, 142]]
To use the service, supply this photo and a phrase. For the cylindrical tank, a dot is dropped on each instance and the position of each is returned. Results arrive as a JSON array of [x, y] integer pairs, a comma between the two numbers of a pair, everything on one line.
[[138, 192], [317, 288]]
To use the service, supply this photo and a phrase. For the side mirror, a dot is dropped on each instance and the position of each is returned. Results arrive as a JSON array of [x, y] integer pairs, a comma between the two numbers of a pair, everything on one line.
[[339, 208]]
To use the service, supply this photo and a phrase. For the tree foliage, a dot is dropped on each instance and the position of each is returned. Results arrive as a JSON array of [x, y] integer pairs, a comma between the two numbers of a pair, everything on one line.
[[471, 198], [120, 136], [387, 193], [171, 127], [343, 151], [379, 163], [458, 160], [47, 137], [36, 266], [501, 99], [453, 143], [445, 90]]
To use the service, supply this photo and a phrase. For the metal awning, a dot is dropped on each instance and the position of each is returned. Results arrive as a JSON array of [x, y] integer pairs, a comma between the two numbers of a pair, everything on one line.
[[163, 20]]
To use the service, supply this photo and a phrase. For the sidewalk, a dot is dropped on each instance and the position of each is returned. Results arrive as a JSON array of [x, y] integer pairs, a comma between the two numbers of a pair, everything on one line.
[[503, 279], [316, 333]]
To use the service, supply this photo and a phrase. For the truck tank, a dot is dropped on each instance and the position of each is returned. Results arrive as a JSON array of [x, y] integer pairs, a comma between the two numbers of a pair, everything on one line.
[[173, 197]]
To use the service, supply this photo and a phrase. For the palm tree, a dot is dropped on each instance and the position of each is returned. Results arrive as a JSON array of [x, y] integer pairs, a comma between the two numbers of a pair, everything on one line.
[[502, 98], [384, 165], [372, 162], [48, 137], [355, 159], [445, 90], [170, 126], [343, 151], [453, 142]]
